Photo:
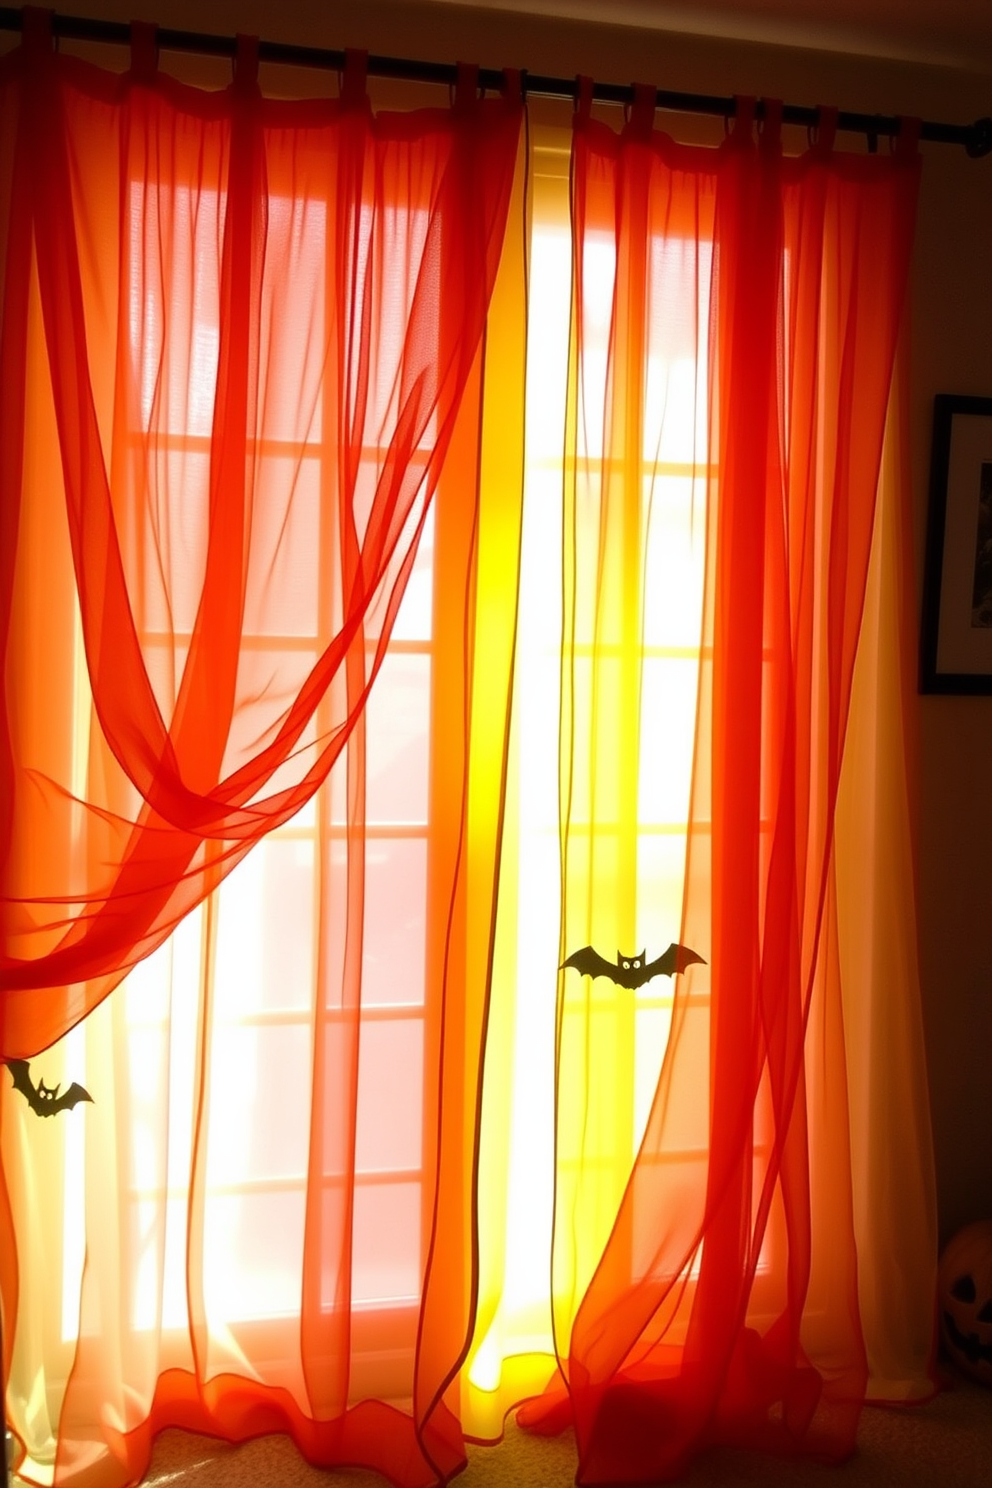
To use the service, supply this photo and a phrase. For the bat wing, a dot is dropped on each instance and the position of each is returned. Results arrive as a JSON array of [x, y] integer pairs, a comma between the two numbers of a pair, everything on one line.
[[676, 958], [71, 1097], [45, 1103], [588, 962], [21, 1076]]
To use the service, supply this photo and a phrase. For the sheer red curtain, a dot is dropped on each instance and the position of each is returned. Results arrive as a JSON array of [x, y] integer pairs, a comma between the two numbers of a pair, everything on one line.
[[198, 289], [724, 1307]]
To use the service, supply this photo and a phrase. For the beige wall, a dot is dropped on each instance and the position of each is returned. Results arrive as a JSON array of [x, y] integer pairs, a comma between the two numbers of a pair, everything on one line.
[[952, 352]]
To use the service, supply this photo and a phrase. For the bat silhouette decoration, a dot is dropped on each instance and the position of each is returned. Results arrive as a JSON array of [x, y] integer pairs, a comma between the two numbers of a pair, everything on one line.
[[43, 1099], [631, 971]]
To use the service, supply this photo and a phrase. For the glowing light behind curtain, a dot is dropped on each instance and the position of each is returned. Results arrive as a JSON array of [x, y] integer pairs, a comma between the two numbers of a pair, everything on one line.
[[871, 874], [141, 220], [276, 1191], [624, 695], [194, 1171], [724, 1304]]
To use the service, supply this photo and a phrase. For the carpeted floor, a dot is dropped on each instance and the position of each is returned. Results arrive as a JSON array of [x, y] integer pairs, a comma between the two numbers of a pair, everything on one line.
[[946, 1443]]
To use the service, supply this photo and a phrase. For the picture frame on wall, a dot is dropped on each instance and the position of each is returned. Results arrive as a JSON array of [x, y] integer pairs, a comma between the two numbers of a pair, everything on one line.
[[956, 630]]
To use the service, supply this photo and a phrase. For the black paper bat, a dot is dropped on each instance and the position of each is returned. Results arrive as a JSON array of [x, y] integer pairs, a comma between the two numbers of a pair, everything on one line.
[[632, 971], [44, 1100]]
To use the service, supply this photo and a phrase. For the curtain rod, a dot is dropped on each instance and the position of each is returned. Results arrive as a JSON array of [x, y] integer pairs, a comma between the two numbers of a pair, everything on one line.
[[976, 138]]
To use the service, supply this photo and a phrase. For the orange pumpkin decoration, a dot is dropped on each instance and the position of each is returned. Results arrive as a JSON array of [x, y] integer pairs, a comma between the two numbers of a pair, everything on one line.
[[964, 1287]]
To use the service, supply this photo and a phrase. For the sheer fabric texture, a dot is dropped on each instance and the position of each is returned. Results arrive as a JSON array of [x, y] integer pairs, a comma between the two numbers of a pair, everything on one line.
[[243, 355], [718, 1283], [426, 551], [268, 295]]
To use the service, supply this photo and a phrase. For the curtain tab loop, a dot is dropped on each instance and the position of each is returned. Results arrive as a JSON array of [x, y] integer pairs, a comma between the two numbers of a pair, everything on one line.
[[36, 29], [144, 51], [355, 76], [514, 86], [583, 95], [770, 126], [643, 106], [246, 63], [823, 133], [466, 84], [744, 109], [907, 141]]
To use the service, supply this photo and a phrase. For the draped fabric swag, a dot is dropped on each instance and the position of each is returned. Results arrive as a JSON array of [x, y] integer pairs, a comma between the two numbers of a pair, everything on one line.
[[426, 549]]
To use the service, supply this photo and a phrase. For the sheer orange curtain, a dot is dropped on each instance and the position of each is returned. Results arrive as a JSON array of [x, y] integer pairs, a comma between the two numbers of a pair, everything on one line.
[[242, 358], [724, 1306]]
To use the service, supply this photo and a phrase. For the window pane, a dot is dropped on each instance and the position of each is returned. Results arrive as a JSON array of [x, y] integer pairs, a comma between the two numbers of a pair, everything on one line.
[[259, 1111], [253, 1255], [414, 621], [675, 550], [282, 596], [398, 741], [265, 930], [651, 1027], [395, 922], [660, 874], [668, 706], [386, 1243], [390, 1096]]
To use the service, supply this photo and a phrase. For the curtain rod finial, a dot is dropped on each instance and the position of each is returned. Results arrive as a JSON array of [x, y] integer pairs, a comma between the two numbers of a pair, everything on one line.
[[979, 140]]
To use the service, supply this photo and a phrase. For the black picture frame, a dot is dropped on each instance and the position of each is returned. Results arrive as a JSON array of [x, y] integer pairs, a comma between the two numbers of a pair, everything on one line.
[[955, 635]]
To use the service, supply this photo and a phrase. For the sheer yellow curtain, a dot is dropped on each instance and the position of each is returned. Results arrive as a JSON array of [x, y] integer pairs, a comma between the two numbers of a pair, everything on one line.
[[512, 1350], [874, 884], [601, 756]]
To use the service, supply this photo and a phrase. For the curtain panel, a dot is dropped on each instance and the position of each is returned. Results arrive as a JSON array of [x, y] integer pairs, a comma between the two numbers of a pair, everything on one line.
[[425, 551], [182, 228], [736, 316], [243, 349]]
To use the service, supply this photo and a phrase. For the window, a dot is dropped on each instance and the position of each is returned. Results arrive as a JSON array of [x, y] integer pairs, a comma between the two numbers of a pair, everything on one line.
[[211, 1041], [237, 984], [289, 1200]]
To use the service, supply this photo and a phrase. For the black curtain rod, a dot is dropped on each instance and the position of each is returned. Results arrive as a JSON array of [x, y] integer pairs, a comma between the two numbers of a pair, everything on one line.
[[976, 138]]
